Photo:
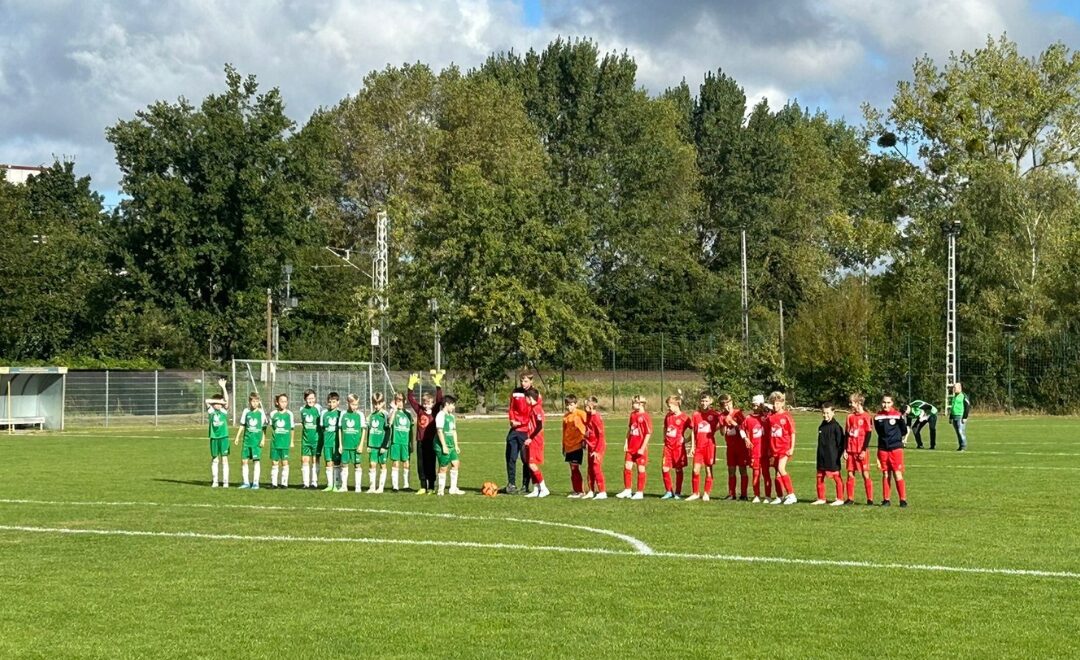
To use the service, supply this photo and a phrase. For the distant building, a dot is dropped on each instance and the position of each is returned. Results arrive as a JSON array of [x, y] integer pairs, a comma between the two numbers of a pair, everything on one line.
[[20, 173]]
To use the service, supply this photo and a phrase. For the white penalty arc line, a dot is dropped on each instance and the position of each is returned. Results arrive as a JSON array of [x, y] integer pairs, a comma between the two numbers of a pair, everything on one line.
[[1068, 575], [639, 546]]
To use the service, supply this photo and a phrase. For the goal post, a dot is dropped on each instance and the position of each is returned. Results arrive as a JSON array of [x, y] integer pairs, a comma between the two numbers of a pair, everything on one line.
[[268, 378]]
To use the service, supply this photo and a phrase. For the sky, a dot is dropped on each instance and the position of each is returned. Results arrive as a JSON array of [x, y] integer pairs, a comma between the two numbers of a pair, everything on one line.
[[69, 69]]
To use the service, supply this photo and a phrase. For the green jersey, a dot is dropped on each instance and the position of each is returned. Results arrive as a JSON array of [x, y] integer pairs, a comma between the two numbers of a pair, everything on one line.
[[309, 418], [352, 426], [917, 409], [253, 421], [447, 423], [957, 405], [282, 423], [328, 423], [401, 425], [218, 423], [376, 438]]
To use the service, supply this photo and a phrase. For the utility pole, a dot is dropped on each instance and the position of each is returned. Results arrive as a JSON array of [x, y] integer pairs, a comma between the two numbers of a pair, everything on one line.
[[782, 361], [745, 301], [952, 344], [269, 324], [433, 305]]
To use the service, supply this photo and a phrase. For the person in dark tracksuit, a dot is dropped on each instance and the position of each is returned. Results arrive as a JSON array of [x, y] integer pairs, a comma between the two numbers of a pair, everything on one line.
[[425, 410], [831, 445], [920, 415]]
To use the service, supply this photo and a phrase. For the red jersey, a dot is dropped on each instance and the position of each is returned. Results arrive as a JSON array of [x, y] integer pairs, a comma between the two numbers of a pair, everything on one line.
[[675, 425], [536, 420], [781, 432], [859, 428], [594, 433], [752, 429], [640, 426], [425, 420], [706, 423], [518, 410], [730, 425]]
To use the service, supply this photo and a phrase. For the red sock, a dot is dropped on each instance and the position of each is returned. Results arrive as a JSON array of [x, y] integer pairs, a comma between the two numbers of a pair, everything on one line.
[[695, 482], [678, 482], [598, 476], [839, 486], [575, 478], [901, 489], [757, 482], [778, 484], [731, 485], [708, 485], [851, 487], [667, 481], [626, 476], [538, 476], [641, 482], [743, 479], [821, 485], [869, 483], [787, 485], [886, 489], [768, 482]]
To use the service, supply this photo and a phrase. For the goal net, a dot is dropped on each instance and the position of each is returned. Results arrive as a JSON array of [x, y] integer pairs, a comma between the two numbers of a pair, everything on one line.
[[268, 378]]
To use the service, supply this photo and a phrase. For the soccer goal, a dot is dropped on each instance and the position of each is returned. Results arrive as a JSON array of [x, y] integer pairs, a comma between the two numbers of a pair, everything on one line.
[[268, 378]]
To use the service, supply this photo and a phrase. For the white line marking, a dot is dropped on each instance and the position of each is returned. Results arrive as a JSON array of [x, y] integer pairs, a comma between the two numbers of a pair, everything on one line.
[[1069, 575], [640, 546]]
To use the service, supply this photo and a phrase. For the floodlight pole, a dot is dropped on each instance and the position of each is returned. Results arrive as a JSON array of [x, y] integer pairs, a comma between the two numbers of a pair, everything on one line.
[[745, 301], [952, 230], [269, 324], [433, 305], [381, 277]]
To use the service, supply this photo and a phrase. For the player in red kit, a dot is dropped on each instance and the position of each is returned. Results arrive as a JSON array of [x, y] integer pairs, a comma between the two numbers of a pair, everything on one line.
[[752, 433], [860, 426], [596, 445], [782, 447], [676, 423], [705, 422], [535, 444], [731, 418], [891, 428], [636, 449]]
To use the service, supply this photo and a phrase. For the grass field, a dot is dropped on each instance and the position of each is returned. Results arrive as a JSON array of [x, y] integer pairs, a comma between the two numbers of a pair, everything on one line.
[[985, 562]]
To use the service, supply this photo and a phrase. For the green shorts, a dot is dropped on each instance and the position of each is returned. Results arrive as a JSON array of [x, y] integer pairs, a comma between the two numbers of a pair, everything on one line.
[[399, 452], [219, 447], [279, 454], [309, 448], [376, 456], [350, 457], [253, 452], [329, 452], [446, 459]]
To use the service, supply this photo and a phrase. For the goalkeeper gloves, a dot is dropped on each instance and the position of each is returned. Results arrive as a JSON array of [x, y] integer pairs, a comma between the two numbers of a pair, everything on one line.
[[413, 381], [437, 377]]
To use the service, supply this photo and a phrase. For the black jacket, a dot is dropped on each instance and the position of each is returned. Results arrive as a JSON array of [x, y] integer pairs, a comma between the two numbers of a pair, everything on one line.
[[831, 442]]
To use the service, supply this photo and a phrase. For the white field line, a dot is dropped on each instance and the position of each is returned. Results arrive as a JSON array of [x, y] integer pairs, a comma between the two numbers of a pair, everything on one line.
[[640, 546], [1068, 575]]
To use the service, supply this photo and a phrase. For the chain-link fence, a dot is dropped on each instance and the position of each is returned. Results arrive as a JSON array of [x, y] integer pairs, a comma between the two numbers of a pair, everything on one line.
[[112, 398]]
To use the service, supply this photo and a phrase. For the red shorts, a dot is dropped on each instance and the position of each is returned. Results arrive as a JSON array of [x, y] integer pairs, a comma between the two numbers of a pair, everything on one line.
[[756, 459], [675, 456], [536, 451], [891, 460], [637, 459], [856, 464], [776, 451], [705, 453], [737, 453]]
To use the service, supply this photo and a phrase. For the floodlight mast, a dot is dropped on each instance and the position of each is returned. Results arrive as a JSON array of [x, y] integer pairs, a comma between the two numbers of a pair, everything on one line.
[[745, 301], [380, 281], [952, 372]]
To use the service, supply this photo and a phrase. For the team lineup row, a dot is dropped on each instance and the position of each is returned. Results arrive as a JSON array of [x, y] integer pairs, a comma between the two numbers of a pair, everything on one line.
[[758, 445]]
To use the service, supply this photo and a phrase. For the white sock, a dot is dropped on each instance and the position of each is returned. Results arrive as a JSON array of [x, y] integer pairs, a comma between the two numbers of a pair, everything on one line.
[[313, 473], [337, 474], [258, 472], [305, 470], [442, 482], [224, 469], [285, 475], [244, 473], [453, 478], [405, 473], [371, 478], [394, 478], [329, 475], [213, 469], [345, 477], [382, 479], [273, 475]]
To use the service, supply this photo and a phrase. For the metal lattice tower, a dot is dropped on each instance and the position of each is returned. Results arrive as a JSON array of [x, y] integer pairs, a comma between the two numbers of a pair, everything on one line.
[[380, 276], [745, 300], [951, 335]]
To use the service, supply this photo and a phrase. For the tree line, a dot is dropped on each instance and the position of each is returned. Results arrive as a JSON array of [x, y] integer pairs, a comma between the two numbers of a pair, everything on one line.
[[553, 209]]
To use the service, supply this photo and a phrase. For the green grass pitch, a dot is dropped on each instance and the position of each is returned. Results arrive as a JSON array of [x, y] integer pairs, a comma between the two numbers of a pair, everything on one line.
[[181, 570]]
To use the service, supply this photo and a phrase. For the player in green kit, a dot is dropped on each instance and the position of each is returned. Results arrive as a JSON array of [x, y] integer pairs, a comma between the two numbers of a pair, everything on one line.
[[447, 451], [217, 416], [401, 427], [310, 415], [252, 427], [330, 443], [351, 424], [377, 442], [282, 423]]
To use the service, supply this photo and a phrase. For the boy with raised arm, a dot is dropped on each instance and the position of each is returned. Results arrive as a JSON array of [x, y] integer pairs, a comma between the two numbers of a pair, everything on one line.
[[426, 409], [217, 417]]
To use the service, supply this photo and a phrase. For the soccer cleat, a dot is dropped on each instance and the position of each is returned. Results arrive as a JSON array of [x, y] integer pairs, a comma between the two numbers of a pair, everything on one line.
[[869, 502], [903, 504], [421, 491], [778, 500], [729, 497], [453, 491], [818, 502], [244, 486], [535, 492], [284, 486], [588, 495], [254, 486], [623, 494], [756, 500], [574, 496], [600, 496], [791, 499], [213, 485], [638, 496], [225, 485], [704, 497], [668, 496], [836, 503], [886, 503], [744, 498], [693, 497], [849, 502], [544, 492], [329, 488], [509, 490], [678, 496], [370, 490], [441, 493], [341, 489]]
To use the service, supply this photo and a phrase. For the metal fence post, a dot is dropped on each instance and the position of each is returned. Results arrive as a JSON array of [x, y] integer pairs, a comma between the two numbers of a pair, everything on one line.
[[1009, 372], [613, 378], [155, 397], [661, 367], [106, 398], [202, 399]]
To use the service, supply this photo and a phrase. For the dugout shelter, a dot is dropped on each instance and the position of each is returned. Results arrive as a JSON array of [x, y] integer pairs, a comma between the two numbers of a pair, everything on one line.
[[32, 396]]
